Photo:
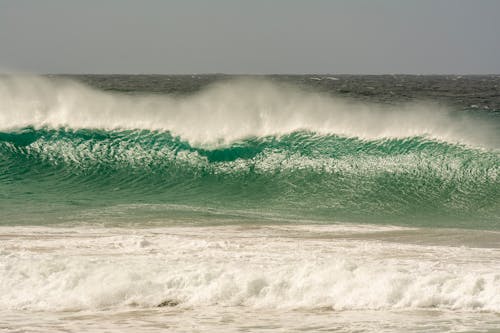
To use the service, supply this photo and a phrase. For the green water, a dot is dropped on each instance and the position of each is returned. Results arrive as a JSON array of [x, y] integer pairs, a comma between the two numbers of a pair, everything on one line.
[[61, 175]]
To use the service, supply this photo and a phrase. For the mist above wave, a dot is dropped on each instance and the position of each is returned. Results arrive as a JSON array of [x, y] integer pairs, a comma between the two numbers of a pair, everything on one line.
[[228, 111]]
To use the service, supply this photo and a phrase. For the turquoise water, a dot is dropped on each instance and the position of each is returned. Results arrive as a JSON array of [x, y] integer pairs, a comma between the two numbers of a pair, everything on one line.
[[65, 173]]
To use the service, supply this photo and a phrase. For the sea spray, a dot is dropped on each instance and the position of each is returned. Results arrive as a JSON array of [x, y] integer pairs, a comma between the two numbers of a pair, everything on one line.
[[228, 111]]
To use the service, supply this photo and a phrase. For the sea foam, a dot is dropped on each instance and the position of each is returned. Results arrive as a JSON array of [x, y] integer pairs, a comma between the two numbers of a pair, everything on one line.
[[268, 267]]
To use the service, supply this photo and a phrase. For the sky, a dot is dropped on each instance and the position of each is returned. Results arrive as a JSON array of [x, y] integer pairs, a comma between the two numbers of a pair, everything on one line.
[[250, 36]]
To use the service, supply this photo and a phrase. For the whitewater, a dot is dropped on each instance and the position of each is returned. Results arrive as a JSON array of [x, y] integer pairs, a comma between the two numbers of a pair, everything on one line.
[[214, 203]]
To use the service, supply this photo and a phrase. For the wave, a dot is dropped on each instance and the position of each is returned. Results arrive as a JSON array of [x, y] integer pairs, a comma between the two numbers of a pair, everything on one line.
[[246, 146]]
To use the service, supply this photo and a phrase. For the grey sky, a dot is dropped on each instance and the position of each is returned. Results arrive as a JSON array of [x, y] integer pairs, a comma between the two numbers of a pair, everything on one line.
[[251, 36]]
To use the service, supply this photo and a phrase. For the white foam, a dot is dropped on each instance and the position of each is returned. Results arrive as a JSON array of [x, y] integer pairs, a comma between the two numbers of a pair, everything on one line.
[[259, 268], [225, 112]]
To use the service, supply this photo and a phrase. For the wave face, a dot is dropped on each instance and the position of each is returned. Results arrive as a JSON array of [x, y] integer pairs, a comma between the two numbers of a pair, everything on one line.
[[243, 149]]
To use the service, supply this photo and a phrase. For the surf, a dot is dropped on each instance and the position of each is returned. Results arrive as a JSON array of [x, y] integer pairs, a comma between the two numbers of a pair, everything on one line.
[[119, 268]]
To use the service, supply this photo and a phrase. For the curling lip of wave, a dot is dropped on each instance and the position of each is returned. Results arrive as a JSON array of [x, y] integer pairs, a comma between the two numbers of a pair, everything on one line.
[[227, 111]]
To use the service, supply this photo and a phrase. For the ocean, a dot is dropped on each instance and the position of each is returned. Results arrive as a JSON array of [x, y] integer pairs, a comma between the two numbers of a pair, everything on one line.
[[278, 203]]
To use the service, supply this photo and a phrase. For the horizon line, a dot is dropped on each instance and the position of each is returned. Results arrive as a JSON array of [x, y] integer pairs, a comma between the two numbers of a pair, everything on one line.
[[259, 74]]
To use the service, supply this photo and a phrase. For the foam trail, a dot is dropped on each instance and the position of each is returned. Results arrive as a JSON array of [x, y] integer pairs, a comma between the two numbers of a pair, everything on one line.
[[79, 269], [227, 111]]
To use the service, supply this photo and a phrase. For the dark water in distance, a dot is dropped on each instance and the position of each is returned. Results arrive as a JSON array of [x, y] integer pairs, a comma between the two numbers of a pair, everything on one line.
[[463, 91]]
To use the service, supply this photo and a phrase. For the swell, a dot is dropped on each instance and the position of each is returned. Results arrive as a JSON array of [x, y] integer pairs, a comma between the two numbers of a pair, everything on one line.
[[412, 180]]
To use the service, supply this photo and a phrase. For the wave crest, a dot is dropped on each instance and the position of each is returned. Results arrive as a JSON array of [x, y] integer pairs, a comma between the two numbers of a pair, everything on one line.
[[228, 111]]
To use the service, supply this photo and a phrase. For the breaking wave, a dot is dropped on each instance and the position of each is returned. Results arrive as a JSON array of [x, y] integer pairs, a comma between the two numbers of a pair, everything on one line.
[[246, 145]]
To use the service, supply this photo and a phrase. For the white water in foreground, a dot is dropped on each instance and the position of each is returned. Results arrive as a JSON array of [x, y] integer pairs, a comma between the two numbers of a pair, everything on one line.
[[235, 278]]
